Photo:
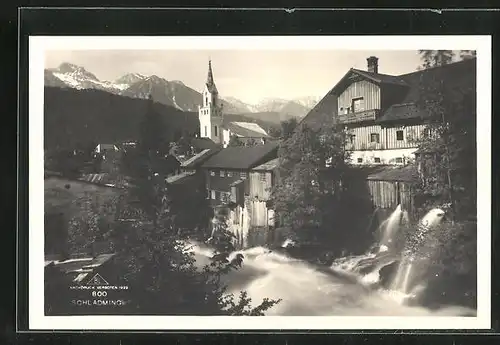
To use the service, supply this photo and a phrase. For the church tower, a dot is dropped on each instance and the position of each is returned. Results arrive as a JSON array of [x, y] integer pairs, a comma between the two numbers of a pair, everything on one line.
[[210, 112]]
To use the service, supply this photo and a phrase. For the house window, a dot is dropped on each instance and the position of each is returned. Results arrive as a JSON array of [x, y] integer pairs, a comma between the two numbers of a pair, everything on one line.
[[360, 160], [358, 104], [222, 173], [374, 138], [243, 175], [229, 174], [262, 176], [399, 160], [206, 100], [376, 159], [399, 135], [212, 194], [352, 137], [427, 132], [215, 131], [206, 131], [212, 173]]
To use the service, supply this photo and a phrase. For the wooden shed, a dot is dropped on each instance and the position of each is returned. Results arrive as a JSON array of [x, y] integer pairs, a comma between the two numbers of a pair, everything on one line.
[[393, 186]]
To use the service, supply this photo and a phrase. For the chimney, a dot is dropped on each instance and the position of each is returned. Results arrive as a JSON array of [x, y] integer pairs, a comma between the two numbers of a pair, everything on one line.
[[372, 64]]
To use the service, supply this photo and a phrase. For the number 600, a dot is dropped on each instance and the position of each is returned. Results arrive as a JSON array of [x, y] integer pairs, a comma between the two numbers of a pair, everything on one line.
[[99, 293]]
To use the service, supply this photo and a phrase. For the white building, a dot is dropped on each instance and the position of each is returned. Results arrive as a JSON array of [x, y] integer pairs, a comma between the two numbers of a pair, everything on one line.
[[211, 117]]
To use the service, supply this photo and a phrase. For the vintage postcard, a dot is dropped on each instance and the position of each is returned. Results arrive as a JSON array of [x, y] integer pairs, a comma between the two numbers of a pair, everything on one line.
[[183, 183]]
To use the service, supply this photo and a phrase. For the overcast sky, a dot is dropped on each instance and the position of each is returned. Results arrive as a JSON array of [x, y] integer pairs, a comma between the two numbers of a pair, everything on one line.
[[247, 75]]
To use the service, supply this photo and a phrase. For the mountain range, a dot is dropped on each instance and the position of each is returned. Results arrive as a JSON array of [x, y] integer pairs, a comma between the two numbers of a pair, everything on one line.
[[174, 93]]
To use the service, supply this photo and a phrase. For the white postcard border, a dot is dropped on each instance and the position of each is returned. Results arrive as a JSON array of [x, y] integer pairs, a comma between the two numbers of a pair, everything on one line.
[[39, 44]]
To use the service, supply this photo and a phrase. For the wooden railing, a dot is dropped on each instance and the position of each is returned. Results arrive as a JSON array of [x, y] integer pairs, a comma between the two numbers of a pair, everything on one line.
[[360, 116]]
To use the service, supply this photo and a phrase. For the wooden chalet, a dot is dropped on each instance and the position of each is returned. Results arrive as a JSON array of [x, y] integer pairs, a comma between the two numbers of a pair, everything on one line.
[[385, 118]]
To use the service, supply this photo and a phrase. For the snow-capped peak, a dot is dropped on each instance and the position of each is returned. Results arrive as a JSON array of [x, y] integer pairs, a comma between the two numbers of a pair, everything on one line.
[[308, 102], [77, 71], [130, 78]]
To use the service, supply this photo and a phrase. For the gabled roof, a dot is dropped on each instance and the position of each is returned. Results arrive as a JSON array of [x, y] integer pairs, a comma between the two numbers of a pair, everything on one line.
[[268, 166], [104, 179], [408, 173], [107, 146], [403, 111], [246, 129], [203, 144], [322, 113], [458, 74], [242, 157], [199, 158], [381, 78], [178, 178]]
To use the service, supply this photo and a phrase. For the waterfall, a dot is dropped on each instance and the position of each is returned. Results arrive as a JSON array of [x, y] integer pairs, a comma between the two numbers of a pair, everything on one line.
[[410, 266], [389, 227]]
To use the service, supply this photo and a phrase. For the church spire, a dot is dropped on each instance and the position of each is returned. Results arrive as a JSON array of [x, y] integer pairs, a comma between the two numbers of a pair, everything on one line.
[[210, 79]]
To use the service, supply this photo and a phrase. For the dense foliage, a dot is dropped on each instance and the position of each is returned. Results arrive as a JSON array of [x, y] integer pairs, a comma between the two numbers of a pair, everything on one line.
[[447, 165], [285, 130], [308, 190], [235, 141], [448, 151]]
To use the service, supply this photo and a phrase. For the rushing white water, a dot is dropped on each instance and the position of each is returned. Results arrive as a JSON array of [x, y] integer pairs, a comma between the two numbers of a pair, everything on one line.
[[406, 278], [307, 290], [350, 287], [389, 227]]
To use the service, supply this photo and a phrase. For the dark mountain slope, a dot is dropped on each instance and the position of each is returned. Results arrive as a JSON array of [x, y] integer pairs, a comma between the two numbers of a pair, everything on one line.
[[79, 117]]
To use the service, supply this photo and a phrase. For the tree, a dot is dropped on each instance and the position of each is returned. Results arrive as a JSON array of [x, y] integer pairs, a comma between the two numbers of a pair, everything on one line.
[[152, 133], [433, 58], [288, 127], [88, 230], [181, 147], [308, 190], [467, 54], [448, 151], [235, 141], [251, 142]]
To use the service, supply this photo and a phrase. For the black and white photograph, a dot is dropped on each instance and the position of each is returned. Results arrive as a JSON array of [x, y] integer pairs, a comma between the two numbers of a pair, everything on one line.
[[317, 182]]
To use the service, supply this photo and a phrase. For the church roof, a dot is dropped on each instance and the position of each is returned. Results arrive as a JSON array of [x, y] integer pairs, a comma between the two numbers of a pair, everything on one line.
[[246, 129], [210, 80]]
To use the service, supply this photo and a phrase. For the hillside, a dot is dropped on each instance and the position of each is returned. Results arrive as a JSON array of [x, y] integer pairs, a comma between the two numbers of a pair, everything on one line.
[[75, 117], [80, 117]]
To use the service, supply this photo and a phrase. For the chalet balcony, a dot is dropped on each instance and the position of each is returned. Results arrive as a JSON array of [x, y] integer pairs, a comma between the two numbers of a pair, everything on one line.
[[360, 116]]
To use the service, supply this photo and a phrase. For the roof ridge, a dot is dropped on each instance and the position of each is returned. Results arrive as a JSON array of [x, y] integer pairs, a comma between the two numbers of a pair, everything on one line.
[[436, 67]]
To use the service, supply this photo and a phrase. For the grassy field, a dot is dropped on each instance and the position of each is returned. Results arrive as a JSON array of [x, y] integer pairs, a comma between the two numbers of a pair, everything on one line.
[[61, 194]]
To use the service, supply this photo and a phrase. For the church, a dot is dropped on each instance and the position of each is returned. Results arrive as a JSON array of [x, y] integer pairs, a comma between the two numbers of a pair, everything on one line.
[[212, 122]]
